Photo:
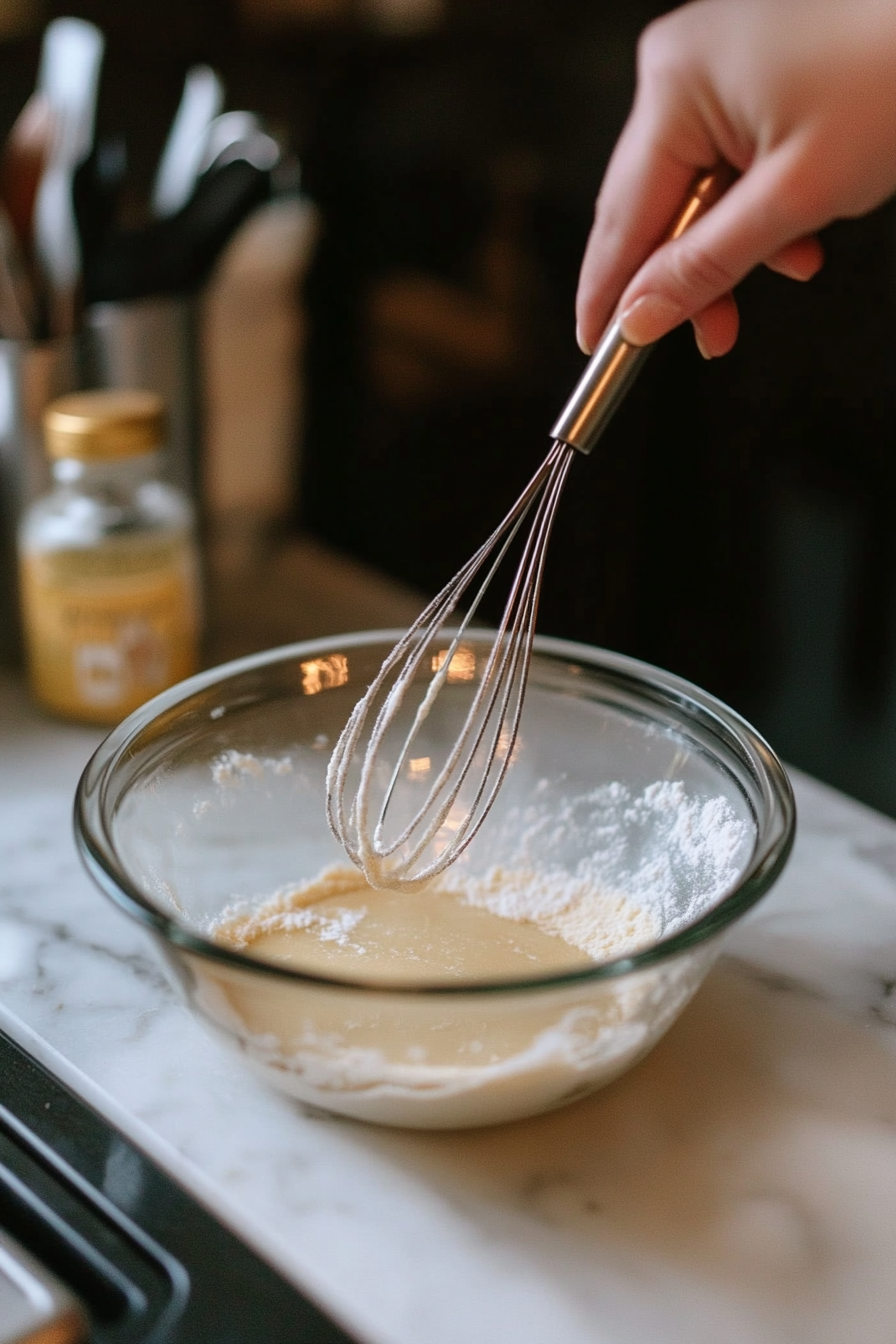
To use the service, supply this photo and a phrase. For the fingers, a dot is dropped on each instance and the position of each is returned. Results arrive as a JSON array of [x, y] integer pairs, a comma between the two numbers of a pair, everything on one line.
[[716, 328], [643, 188], [755, 221], [664, 144], [678, 127], [799, 260], [641, 193]]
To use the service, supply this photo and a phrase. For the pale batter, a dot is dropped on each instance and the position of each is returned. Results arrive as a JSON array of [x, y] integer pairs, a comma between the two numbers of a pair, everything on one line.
[[503, 925], [592, 878]]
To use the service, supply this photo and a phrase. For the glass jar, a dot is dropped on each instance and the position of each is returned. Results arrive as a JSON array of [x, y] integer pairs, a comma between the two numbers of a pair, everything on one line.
[[108, 562]]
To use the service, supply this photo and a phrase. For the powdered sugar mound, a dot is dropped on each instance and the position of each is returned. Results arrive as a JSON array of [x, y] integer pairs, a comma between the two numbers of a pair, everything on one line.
[[689, 850], [670, 852]]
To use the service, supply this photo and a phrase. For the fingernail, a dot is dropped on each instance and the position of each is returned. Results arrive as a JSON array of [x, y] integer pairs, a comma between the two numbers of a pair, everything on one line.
[[649, 318], [700, 346], [580, 341], [797, 272]]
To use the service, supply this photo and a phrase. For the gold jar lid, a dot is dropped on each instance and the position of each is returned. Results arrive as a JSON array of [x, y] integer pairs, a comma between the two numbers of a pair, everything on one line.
[[96, 426]]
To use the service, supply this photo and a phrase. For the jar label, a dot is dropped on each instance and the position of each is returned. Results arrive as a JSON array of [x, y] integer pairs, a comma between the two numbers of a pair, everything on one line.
[[100, 645]]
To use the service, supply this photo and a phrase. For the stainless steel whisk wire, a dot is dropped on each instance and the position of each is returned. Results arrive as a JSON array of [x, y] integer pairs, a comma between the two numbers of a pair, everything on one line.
[[501, 688], [493, 719]]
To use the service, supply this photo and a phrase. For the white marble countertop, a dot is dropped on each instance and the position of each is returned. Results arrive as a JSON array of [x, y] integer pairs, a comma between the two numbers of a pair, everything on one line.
[[739, 1185]]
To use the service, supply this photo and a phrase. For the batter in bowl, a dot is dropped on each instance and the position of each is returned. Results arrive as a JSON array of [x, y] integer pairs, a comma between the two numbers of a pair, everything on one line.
[[434, 1060], [471, 1000], [511, 925]]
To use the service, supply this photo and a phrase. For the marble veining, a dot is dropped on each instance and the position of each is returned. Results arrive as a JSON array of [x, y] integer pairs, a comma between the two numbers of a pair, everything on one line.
[[739, 1185]]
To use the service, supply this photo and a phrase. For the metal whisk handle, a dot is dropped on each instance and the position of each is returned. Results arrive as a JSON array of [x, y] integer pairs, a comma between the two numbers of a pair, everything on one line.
[[614, 365]]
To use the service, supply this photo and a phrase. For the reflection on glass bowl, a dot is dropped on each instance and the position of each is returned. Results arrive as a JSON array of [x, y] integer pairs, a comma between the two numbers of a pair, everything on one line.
[[210, 799]]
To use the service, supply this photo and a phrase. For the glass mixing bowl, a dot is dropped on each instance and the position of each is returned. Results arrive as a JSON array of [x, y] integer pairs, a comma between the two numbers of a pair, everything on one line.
[[214, 791]]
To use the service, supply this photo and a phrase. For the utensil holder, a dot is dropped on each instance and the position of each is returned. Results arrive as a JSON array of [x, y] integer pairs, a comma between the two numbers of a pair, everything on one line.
[[152, 344]]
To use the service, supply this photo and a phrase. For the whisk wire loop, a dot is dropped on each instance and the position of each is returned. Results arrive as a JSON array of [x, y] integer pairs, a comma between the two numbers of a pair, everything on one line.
[[499, 681], [492, 720], [417, 640]]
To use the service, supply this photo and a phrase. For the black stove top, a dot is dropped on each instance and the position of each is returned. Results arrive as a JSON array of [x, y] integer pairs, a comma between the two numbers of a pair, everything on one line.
[[147, 1262]]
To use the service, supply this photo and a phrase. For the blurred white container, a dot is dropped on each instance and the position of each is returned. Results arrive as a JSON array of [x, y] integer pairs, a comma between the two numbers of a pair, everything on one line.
[[252, 337]]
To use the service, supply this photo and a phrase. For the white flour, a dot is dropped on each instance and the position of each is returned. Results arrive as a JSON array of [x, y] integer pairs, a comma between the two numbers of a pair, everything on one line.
[[231, 765], [668, 852], [334, 926], [608, 870]]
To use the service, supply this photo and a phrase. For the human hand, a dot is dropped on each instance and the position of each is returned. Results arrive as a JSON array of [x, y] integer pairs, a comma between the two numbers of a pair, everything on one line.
[[800, 97]]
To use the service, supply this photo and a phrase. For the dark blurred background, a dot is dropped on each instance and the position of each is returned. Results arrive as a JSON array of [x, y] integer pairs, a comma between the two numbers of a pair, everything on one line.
[[735, 524]]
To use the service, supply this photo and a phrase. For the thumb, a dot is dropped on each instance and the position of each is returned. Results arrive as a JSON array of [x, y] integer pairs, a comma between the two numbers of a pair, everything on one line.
[[757, 217]]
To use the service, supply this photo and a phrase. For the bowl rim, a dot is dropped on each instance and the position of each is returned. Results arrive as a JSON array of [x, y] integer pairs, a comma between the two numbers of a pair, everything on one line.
[[771, 850]]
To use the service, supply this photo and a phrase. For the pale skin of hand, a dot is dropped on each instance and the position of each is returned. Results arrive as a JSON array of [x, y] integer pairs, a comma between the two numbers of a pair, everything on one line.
[[799, 96]]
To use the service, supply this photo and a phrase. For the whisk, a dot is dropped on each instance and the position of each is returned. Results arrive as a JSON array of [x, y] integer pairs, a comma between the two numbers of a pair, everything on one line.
[[362, 780]]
